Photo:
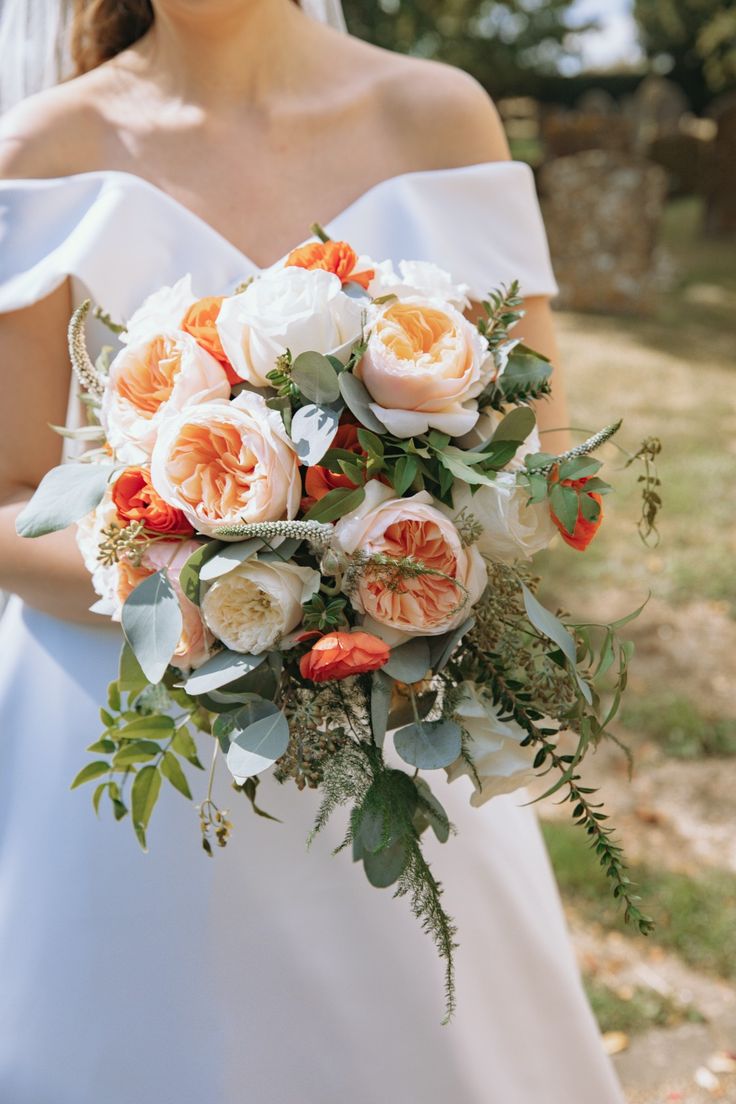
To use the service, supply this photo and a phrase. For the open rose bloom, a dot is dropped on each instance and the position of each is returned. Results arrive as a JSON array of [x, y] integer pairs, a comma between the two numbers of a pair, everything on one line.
[[312, 511]]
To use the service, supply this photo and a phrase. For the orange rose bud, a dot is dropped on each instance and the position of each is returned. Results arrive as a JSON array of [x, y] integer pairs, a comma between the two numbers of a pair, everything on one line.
[[342, 654], [584, 530], [136, 500], [320, 481], [336, 257], [201, 322]]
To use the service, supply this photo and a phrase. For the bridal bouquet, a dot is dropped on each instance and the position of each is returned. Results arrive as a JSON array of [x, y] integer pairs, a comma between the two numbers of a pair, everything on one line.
[[312, 505]]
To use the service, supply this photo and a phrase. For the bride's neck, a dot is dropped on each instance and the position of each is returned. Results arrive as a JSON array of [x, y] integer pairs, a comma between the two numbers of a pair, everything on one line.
[[233, 51]]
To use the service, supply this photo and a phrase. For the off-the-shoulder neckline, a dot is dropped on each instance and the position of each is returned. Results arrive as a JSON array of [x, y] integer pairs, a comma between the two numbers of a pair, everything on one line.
[[381, 185]]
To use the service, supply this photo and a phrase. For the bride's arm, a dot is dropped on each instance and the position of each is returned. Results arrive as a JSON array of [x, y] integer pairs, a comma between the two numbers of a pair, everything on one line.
[[46, 572]]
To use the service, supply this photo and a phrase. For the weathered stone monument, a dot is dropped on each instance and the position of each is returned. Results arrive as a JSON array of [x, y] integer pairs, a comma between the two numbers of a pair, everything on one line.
[[720, 216], [603, 210]]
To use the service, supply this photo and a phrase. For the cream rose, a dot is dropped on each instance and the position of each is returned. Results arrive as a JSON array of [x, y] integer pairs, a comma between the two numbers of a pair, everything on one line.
[[150, 379], [424, 365], [411, 527], [500, 762], [289, 308], [89, 535], [511, 529], [223, 463], [257, 603], [416, 278], [161, 312]]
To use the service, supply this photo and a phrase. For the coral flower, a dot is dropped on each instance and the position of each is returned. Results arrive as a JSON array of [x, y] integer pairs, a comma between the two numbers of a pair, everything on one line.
[[342, 654], [201, 322], [584, 530], [319, 481], [136, 500], [337, 257]]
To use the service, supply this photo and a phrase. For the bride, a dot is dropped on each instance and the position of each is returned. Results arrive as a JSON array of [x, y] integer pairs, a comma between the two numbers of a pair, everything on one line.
[[206, 138]]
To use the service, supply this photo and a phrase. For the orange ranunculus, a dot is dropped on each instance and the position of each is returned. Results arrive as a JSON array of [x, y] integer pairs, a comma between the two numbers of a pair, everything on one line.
[[136, 500], [341, 654], [201, 322], [337, 257], [320, 481], [584, 530]]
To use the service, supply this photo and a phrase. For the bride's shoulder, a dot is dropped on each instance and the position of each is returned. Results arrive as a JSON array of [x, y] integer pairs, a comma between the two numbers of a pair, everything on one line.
[[439, 115], [56, 132]]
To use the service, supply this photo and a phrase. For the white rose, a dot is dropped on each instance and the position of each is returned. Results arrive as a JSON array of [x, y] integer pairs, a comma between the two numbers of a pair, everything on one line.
[[512, 530], [161, 312], [424, 366], [257, 603], [148, 380], [289, 308], [500, 762], [88, 535], [225, 463], [420, 278]]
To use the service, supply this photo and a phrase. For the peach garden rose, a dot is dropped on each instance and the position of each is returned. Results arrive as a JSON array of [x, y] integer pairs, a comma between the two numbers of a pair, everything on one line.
[[424, 366], [224, 463], [428, 604]]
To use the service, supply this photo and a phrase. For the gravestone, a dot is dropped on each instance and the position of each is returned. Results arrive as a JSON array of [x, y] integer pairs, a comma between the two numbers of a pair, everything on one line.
[[603, 211], [568, 132], [720, 217], [656, 109]]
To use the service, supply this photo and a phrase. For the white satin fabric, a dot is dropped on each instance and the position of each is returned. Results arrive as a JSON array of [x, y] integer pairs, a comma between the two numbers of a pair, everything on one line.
[[268, 974]]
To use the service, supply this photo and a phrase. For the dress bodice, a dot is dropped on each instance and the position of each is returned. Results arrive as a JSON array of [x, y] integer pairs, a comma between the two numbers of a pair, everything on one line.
[[120, 237]]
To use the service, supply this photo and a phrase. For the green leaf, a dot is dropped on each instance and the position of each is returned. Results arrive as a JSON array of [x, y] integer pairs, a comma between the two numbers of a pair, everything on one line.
[[386, 866], [220, 670], [131, 679], [461, 470], [589, 508], [315, 377], [408, 662], [516, 425], [64, 495], [313, 430], [148, 728], [336, 504], [137, 751], [152, 624], [564, 503], [371, 444], [113, 696], [381, 689], [435, 815], [99, 790], [227, 558], [442, 647], [357, 401], [524, 370], [404, 474], [430, 744], [144, 795], [551, 627], [171, 769], [579, 467], [190, 572], [92, 770], [183, 744], [259, 745], [102, 747]]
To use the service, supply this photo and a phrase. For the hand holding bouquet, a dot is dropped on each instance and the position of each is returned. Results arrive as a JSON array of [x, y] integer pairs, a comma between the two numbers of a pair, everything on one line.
[[312, 505]]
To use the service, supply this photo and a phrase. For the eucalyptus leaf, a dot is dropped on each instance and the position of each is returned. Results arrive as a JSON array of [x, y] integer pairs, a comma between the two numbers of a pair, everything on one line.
[[358, 401], [435, 815], [228, 557], [259, 746], [409, 662], [516, 425], [221, 669], [551, 627], [152, 624], [313, 429], [315, 377], [429, 745], [381, 690], [64, 495], [442, 647], [232, 723], [190, 573], [385, 867]]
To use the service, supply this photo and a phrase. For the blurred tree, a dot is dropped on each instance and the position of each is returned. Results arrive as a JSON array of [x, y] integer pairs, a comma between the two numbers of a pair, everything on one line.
[[505, 44], [696, 38]]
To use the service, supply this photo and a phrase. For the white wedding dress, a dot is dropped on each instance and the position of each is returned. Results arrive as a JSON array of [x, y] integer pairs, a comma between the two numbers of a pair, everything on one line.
[[268, 975]]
